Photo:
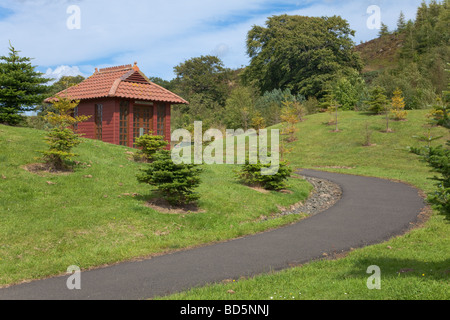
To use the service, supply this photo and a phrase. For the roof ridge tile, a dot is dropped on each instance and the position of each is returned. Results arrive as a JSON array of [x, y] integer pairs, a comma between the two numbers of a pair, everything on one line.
[[117, 68]]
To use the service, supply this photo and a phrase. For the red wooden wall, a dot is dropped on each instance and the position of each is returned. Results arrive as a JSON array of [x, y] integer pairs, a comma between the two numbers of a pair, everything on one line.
[[111, 117]]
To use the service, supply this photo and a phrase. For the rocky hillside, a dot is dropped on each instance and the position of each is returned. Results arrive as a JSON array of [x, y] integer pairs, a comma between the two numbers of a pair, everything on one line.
[[381, 53]]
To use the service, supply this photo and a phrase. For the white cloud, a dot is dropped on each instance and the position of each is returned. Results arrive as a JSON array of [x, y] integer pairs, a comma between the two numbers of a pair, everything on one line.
[[62, 71], [160, 34]]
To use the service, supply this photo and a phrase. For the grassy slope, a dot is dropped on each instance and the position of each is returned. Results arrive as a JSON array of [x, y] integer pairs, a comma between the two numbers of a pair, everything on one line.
[[425, 251], [45, 228]]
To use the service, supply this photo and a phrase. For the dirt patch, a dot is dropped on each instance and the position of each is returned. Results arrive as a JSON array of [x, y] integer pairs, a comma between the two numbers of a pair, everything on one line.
[[335, 167], [161, 205], [43, 169], [265, 191], [260, 190]]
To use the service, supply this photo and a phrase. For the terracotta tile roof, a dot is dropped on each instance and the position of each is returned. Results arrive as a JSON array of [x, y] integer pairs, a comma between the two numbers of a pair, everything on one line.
[[123, 82]]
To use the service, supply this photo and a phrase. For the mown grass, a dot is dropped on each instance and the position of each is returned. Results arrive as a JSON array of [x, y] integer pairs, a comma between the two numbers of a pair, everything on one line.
[[413, 266], [97, 215]]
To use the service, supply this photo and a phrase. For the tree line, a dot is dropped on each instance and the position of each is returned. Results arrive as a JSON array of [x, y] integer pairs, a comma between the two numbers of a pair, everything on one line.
[[313, 62], [309, 61]]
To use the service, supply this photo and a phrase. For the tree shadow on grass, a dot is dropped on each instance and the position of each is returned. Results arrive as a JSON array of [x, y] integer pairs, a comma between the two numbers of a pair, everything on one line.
[[156, 201], [406, 268]]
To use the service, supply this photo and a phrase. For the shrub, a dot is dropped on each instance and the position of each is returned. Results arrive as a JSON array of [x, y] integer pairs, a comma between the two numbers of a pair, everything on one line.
[[36, 122], [346, 94], [439, 159], [61, 142], [377, 100], [61, 138], [175, 182], [311, 105], [398, 106], [250, 174], [258, 121], [149, 145], [439, 115]]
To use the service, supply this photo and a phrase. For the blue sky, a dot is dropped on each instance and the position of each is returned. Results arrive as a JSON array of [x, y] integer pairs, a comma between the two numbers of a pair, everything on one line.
[[160, 34]]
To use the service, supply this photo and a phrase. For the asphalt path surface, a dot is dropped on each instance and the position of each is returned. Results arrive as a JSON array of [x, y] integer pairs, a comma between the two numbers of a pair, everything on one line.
[[370, 211]]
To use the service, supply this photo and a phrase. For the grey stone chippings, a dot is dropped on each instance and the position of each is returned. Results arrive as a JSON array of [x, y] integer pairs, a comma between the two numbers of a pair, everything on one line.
[[323, 197]]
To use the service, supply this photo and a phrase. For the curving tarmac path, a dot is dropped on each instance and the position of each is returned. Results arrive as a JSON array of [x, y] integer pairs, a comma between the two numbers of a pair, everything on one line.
[[371, 211]]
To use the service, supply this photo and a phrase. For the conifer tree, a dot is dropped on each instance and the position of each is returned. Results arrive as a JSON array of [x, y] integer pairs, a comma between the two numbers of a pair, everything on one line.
[[21, 87], [61, 139], [398, 105], [401, 23], [377, 100], [175, 182], [384, 30]]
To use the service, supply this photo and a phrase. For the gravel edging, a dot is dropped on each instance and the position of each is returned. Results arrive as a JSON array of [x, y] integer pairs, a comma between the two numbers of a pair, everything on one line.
[[325, 195]]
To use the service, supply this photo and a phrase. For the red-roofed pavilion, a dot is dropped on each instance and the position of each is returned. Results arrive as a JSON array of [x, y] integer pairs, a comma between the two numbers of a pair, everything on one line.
[[123, 104]]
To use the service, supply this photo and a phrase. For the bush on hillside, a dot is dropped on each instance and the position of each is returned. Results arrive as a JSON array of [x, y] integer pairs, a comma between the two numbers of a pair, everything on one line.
[[149, 145], [439, 159], [377, 100], [61, 139], [251, 174], [175, 182]]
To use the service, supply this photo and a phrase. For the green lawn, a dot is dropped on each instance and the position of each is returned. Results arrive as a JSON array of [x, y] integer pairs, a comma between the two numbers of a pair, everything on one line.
[[48, 223], [423, 253]]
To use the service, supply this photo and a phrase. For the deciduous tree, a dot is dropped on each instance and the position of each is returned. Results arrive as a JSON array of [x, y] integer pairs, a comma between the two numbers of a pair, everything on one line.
[[300, 53]]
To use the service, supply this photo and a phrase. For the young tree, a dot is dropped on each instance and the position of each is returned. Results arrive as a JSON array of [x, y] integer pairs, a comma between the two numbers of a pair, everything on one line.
[[175, 182], [440, 111], [440, 114], [398, 106], [21, 87], [346, 94], [258, 121], [387, 111], [60, 85], [377, 100], [330, 104], [149, 145], [384, 30], [61, 138], [250, 174], [439, 159], [334, 109], [290, 116]]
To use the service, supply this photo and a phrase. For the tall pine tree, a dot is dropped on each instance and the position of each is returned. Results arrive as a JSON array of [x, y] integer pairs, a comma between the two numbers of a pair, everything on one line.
[[21, 87]]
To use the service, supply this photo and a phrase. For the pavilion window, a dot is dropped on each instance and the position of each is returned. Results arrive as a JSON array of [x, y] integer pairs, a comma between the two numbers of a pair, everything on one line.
[[98, 118], [142, 121], [123, 122], [75, 115], [161, 112]]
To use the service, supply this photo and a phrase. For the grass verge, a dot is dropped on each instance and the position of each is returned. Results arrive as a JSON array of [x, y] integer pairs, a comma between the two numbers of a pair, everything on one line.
[[413, 266], [97, 215]]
